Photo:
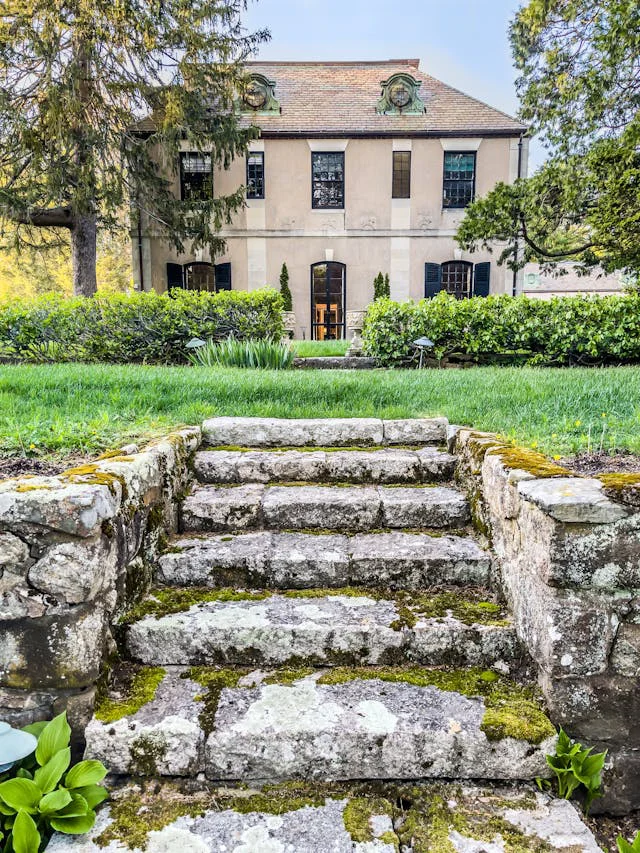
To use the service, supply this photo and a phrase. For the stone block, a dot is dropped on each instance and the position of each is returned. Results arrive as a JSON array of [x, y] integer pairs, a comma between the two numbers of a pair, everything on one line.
[[282, 432], [423, 507], [416, 431], [318, 507], [76, 571], [212, 509], [573, 500]]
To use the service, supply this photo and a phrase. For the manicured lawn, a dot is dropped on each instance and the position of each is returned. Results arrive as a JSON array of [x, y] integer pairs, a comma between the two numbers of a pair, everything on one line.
[[306, 349], [68, 408]]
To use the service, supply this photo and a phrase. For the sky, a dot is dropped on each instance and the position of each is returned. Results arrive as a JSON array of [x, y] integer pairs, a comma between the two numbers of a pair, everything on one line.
[[464, 43]]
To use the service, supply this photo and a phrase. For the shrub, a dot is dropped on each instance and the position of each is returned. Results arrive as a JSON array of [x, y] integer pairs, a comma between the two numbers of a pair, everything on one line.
[[285, 290], [381, 287], [507, 330], [42, 793], [140, 327], [269, 355]]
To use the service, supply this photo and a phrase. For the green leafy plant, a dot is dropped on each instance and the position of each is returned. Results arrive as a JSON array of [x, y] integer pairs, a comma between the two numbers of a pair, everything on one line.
[[381, 287], [285, 290], [625, 846], [267, 354], [42, 793], [576, 770]]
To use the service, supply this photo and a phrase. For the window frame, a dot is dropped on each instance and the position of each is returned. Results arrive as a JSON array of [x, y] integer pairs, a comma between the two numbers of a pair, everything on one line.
[[468, 266], [473, 154], [259, 154], [394, 194], [314, 205], [183, 172], [327, 325]]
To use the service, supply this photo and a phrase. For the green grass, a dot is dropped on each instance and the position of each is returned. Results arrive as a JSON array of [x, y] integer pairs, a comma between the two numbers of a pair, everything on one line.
[[307, 349], [72, 407]]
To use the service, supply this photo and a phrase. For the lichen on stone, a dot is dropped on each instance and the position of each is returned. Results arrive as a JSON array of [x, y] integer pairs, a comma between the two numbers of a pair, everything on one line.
[[214, 680], [512, 710], [140, 690], [92, 475]]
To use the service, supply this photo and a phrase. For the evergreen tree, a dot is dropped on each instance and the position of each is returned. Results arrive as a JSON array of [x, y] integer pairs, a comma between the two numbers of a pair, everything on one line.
[[91, 91], [285, 291], [387, 287], [378, 287]]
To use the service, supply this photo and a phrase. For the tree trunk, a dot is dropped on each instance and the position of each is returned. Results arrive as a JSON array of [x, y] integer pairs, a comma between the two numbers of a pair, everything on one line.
[[83, 255]]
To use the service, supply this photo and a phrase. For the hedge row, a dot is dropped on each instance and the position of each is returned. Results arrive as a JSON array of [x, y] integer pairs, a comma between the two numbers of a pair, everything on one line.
[[141, 327], [507, 330]]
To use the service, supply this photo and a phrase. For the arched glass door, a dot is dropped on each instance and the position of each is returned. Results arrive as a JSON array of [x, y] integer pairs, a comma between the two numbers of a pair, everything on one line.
[[328, 296]]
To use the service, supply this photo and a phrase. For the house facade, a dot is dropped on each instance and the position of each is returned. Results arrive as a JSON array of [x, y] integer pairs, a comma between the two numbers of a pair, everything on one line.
[[360, 168]]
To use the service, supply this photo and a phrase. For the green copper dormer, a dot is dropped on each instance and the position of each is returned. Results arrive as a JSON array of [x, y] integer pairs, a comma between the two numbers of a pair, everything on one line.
[[258, 96], [400, 96]]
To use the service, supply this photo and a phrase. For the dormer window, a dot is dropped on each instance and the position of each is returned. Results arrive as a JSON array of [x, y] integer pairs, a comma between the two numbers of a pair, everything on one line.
[[400, 96], [258, 96]]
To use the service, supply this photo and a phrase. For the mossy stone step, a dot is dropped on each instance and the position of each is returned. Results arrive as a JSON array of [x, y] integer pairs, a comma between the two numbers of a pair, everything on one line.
[[301, 560], [357, 508], [385, 465], [356, 724], [322, 432], [319, 627], [303, 818]]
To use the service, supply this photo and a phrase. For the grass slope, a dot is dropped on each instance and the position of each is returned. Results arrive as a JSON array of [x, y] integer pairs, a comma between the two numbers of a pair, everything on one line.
[[72, 407]]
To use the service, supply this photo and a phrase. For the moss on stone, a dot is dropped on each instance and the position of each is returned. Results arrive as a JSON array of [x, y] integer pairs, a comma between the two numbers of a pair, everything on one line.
[[32, 487], [141, 690], [163, 602], [357, 818], [92, 475], [289, 674], [214, 680], [465, 608], [620, 482], [512, 710], [146, 752], [521, 459]]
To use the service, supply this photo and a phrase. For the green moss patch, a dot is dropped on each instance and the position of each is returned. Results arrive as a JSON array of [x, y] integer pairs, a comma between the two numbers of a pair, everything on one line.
[[140, 689], [530, 461], [357, 819], [214, 680], [163, 602], [512, 710]]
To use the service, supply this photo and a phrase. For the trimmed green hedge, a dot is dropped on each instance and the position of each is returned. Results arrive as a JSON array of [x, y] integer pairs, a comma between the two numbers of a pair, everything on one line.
[[140, 327], [507, 330]]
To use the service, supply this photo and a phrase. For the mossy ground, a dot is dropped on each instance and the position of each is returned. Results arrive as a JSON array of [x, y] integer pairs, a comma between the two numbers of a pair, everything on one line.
[[470, 608], [139, 689]]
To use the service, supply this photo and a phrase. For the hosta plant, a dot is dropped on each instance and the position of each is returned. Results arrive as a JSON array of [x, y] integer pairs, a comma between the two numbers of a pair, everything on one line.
[[576, 770], [625, 846], [43, 793]]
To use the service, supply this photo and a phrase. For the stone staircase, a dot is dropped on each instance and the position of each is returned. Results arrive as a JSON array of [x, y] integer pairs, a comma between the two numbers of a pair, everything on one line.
[[326, 614]]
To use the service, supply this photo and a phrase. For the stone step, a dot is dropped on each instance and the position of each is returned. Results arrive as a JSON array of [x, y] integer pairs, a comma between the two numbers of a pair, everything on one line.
[[320, 628], [302, 560], [386, 465], [322, 432], [337, 818], [357, 508], [338, 724]]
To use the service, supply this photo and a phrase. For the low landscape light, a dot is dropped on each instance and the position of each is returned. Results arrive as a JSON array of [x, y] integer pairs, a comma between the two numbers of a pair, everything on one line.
[[423, 344], [14, 745], [196, 343]]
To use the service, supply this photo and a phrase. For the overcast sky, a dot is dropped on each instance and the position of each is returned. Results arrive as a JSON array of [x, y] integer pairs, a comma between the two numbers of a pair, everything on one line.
[[462, 42]]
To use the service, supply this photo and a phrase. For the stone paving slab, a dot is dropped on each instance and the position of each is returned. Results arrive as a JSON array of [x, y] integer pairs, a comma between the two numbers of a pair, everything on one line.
[[326, 826], [361, 729], [280, 630], [321, 432], [356, 466], [305, 560], [574, 500], [163, 737], [356, 508]]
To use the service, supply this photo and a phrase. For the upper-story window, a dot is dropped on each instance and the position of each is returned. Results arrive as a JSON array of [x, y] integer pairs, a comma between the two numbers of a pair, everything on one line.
[[401, 174], [196, 176], [255, 174], [327, 179], [459, 178]]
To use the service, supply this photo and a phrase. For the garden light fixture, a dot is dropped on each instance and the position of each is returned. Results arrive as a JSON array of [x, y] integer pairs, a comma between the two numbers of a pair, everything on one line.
[[14, 745]]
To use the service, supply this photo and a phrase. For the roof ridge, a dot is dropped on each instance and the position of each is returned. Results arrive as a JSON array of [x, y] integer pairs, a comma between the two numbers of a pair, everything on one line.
[[414, 63]]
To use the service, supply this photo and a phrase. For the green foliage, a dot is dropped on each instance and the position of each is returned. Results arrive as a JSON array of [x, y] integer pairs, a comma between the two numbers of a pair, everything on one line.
[[42, 794], [381, 287], [625, 847], [139, 327], [576, 769], [506, 329], [579, 66], [285, 291], [72, 150], [310, 349], [265, 354]]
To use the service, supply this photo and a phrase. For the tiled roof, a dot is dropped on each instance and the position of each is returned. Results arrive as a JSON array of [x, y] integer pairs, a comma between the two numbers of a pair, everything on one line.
[[340, 98]]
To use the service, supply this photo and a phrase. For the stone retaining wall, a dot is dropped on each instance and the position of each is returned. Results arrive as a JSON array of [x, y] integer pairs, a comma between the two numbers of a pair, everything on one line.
[[74, 550], [568, 552]]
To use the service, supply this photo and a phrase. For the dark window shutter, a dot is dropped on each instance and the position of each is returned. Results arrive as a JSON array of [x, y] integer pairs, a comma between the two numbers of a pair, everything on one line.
[[432, 280], [174, 276], [482, 279], [223, 276]]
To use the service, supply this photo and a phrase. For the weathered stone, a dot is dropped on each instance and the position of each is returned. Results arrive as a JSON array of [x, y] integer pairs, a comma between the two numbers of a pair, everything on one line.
[[436, 465], [233, 508], [555, 821], [224, 466], [49, 502], [621, 781], [360, 730], [376, 466], [573, 500], [282, 432], [163, 738], [14, 553], [625, 658], [333, 508], [76, 571], [416, 431], [304, 560], [423, 507], [279, 630], [416, 561]]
